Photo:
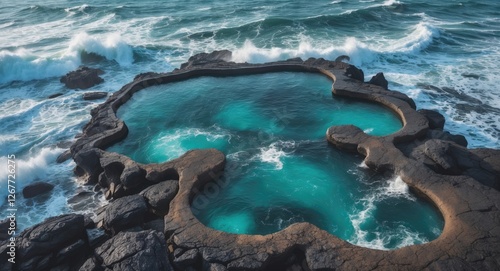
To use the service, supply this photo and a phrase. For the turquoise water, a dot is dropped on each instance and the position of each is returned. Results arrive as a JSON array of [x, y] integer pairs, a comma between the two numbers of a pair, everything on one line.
[[280, 168], [443, 54]]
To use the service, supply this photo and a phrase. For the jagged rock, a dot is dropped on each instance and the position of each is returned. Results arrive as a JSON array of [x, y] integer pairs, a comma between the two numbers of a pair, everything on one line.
[[439, 151], [134, 251], [445, 135], [63, 157], [82, 78], [355, 73], [55, 95], [204, 58], [124, 213], [88, 165], [342, 58], [379, 80], [121, 176], [52, 242], [4, 229], [158, 196], [36, 188], [94, 95], [436, 120]]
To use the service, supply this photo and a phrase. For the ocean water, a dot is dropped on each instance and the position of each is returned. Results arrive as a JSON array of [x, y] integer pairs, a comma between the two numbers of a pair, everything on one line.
[[444, 55], [280, 168]]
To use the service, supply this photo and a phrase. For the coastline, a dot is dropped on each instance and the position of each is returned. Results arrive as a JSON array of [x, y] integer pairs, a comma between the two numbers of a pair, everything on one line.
[[470, 209]]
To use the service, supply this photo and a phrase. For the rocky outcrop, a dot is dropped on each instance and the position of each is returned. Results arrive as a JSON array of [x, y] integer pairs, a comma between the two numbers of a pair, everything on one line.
[[82, 78], [160, 195], [462, 183], [36, 188], [379, 80], [58, 242], [94, 95], [435, 119], [124, 213], [134, 251]]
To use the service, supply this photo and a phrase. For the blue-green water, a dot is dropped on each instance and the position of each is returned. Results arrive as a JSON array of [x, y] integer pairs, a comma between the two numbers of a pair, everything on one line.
[[280, 168], [443, 54]]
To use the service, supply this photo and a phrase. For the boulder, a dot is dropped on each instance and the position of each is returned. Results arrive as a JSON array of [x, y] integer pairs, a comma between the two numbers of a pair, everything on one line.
[[355, 73], [125, 213], [204, 58], [440, 152], [56, 240], [63, 157], [36, 188], [445, 135], [94, 95], [436, 120], [137, 251], [82, 78], [55, 95], [158, 196], [4, 229], [379, 80]]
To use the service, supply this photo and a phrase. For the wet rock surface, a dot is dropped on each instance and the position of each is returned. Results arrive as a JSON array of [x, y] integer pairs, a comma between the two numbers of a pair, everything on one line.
[[82, 78], [463, 183], [37, 188]]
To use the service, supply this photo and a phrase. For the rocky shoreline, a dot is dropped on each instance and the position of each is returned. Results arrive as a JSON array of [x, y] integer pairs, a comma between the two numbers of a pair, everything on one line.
[[149, 223]]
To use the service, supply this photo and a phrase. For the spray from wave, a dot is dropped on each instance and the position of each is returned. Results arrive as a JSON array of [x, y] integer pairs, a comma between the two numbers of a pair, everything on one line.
[[22, 65], [360, 52]]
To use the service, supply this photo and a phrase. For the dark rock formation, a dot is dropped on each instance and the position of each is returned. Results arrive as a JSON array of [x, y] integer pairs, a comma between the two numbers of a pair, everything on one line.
[[124, 213], [159, 196], [63, 157], [463, 183], [36, 188], [55, 95], [58, 241], [94, 95], [134, 251], [379, 80], [82, 78], [355, 73], [436, 120], [4, 229], [204, 58]]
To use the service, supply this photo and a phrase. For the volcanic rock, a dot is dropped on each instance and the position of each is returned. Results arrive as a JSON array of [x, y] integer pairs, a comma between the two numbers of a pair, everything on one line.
[[82, 78], [55, 241], [124, 213], [355, 73], [36, 188], [436, 120], [379, 80], [63, 157], [94, 95], [134, 251], [158, 196]]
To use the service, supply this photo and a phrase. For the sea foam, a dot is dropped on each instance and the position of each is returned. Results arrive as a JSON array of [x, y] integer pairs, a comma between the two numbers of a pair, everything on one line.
[[22, 65], [360, 52]]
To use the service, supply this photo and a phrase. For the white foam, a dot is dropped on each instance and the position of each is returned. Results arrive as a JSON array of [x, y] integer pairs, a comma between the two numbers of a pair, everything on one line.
[[359, 52], [420, 38], [28, 169], [112, 47], [24, 66], [395, 187], [275, 152]]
